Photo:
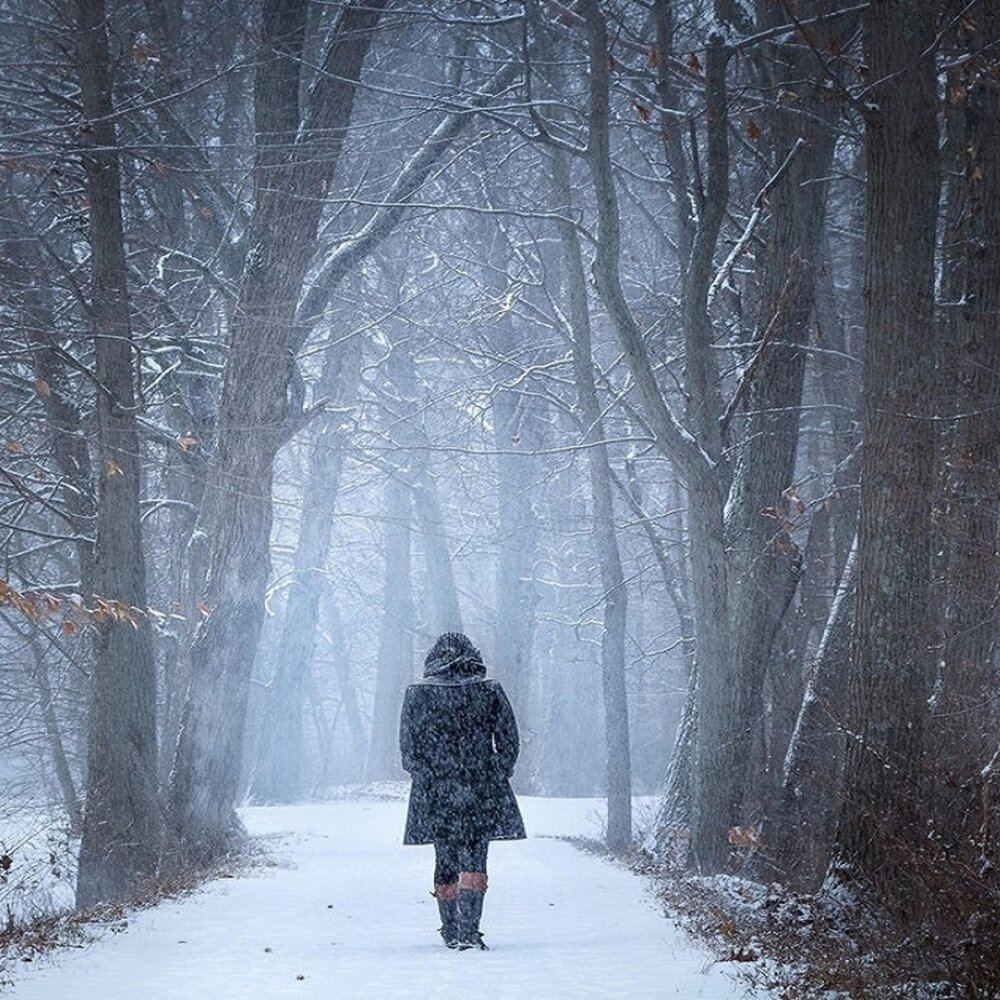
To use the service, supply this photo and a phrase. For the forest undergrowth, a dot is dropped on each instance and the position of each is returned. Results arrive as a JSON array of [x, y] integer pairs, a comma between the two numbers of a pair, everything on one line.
[[829, 945]]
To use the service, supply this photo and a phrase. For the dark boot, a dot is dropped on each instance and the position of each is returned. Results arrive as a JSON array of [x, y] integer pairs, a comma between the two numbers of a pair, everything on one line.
[[470, 910], [447, 898]]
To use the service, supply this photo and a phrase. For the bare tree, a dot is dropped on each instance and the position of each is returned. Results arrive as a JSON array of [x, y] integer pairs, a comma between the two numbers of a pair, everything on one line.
[[295, 160], [122, 819]]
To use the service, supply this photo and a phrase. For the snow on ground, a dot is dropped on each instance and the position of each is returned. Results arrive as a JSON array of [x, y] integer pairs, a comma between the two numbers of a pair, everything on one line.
[[37, 861], [346, 913]]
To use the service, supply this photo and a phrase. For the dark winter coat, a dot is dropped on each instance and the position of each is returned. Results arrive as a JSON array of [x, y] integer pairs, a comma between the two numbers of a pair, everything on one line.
[[458, 740]]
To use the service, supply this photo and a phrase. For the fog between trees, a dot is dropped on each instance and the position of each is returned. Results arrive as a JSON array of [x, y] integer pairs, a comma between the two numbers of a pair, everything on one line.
[[652, 344]]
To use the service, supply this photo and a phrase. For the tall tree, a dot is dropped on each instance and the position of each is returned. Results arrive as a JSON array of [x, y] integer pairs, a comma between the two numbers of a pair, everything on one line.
[[963, 720], [295, 159], [881, 827], [122, 820], [615, 597], [694, 447], [799, 138]]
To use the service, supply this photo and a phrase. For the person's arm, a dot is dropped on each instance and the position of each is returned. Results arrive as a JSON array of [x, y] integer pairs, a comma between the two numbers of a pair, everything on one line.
[[505, 737], [407, 732]]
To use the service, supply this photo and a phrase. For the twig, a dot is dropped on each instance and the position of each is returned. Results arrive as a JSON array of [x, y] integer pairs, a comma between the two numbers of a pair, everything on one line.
[[758, 210]]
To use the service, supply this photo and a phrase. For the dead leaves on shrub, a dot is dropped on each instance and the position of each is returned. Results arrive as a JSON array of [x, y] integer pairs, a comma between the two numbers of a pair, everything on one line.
[[73, 613]]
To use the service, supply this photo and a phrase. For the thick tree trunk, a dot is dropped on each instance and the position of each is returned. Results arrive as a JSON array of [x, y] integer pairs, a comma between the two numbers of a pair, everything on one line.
[[963, 736], [294, 164], [123, 821], [278, 776], [882, 822]]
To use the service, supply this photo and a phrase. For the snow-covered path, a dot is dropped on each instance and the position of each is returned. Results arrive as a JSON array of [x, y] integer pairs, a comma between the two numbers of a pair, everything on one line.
[[347, 914]]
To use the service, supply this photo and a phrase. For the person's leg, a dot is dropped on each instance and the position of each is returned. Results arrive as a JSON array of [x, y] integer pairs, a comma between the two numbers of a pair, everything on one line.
[[446, 872], [471, 890]]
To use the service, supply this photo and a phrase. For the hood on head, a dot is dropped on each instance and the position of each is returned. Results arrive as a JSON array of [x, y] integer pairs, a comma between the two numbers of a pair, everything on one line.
[[454, 656]]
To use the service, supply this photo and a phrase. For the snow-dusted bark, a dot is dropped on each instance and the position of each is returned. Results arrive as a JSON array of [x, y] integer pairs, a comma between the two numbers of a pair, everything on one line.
[[799, 828], [764, 561], [295, 159], [964, 717]]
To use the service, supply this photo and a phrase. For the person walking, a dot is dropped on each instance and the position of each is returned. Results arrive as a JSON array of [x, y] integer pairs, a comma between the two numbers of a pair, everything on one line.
[[458, 740]]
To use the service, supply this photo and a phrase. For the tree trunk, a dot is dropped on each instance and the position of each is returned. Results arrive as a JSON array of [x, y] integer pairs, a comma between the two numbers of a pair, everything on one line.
[[799, 830], [293, 166], [962, 735], [53, 733], [278, 774], [881, 829], [616, 712], [122, 822], [764, 561], [394, 666], [697, 453]]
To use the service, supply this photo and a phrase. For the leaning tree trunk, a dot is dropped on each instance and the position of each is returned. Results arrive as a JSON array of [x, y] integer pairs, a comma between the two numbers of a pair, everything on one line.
[[882, 818], [616, 713], [122, 821], [800, 826], [764, 561], [293, 166]]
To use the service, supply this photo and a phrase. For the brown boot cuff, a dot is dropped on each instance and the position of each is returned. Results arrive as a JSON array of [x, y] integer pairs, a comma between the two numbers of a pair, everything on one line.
[[447, 891], [476, 881]]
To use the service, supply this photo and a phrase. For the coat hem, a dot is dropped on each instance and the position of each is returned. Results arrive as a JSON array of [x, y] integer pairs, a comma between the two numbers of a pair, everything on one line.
[[422, 843]]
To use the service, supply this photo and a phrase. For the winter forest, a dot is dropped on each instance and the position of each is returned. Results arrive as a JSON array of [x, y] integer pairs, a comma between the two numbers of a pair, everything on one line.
[[652, 344]]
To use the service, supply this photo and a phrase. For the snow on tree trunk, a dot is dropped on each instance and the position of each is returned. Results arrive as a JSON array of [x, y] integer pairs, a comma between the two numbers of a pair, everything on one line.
[[964, 725], [294, 163], [764, 561]]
